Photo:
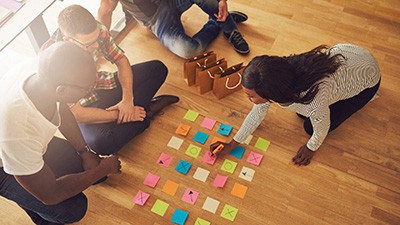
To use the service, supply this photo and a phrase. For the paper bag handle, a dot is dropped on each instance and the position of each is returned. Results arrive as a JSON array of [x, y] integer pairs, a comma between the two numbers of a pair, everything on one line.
[[237, 85], [205, 63], [212, 76]]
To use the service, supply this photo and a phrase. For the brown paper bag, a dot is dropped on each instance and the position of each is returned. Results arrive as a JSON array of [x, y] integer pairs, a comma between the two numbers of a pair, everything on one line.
[[189, 67], [205, 75], [229, 81]]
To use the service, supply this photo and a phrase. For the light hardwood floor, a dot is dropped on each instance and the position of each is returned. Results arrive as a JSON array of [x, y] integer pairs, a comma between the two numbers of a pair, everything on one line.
[[354, 177]]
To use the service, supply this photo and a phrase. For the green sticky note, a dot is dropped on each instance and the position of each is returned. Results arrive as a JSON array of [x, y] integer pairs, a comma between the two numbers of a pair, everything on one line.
[[160, 207], [262, 144], [193, 151], [200, 221], [229, 166], [191, 115], [229, 212]]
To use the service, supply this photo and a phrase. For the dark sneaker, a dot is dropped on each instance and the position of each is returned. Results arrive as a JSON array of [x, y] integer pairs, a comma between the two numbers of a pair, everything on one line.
[[238, 42], [238, 17], [160, 102]]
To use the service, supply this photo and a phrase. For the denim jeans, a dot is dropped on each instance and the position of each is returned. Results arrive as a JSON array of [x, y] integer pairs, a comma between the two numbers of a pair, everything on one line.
[[167, 26], [108, 138], [61, 157]]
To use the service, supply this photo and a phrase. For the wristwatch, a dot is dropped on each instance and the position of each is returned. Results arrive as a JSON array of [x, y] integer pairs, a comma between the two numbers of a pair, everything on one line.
[[87, 148]]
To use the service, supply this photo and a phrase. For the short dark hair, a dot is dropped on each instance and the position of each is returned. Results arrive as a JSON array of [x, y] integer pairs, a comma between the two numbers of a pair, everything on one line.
[[64, 62], [75, 20], [291, 79]]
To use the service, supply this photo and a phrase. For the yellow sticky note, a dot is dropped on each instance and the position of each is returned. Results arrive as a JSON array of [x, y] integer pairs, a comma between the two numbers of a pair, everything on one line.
[[170, 187], [239, 190]]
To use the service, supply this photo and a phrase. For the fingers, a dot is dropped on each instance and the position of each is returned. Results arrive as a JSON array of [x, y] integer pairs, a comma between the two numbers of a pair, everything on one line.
[[213, 146], [114, 107], [298, 155]]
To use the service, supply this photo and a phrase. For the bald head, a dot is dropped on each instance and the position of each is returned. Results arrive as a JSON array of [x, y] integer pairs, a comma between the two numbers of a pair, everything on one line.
[[65, 62]]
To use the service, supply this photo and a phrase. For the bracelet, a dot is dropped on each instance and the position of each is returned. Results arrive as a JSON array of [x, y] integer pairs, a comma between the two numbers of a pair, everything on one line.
[[87, 148]]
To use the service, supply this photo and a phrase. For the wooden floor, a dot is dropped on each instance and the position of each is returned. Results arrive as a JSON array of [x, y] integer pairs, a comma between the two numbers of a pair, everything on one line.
[[354, 177]]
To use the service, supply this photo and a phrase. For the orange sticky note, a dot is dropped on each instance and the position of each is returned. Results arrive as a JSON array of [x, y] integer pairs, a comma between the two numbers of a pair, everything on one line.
[[215, 139], [170, 187], [183, 129], [239, 190]]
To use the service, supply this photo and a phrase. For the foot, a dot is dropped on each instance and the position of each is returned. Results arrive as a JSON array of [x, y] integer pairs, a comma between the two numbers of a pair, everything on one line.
[[160, 102], [238, 42], [238, 17]]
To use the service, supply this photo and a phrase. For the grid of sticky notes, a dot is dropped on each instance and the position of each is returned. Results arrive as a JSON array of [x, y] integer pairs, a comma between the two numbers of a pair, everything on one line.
[[192, 148]]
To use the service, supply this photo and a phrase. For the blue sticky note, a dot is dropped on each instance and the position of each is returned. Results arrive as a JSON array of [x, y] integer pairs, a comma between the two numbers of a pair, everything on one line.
[[201, 137], [183, 167], [238, 152], [225, 129], [179, 217]]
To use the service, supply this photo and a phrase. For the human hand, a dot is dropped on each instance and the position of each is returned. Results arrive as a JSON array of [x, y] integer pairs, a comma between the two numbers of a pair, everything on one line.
[[303, 156], [90, 160], [128, 112], [110, 165], [222, 11], [227, 146]]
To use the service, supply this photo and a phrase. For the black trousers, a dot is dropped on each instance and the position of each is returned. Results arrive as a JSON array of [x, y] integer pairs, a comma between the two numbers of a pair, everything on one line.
[[108, 138], [342, 110]]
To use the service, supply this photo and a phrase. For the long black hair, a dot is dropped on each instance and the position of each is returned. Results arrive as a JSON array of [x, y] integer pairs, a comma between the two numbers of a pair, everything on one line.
[[290, 79]]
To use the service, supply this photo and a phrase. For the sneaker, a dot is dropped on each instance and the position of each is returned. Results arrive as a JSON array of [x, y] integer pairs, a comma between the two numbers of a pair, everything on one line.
[[238, 17], [238, 42], [160, 102]]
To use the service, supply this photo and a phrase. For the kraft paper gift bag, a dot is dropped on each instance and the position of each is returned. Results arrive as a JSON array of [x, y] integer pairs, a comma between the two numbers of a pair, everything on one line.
[[229, 81], [189, 67], [205, 75]]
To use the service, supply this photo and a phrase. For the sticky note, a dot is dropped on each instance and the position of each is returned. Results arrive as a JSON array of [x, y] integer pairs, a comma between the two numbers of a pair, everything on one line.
[[200, 221], [193, 151], [191, 115], [164, 160], [229, 166], [238, 152], [262, 144], [254, 158], [239, 190], [170, 187], [183, 167], [183, 129], [225, 129], [220, 181], [190, 196], [248, 139], [229, 212], [216, 139], [141, 198], [151, 180], [160, 207], [208, 123], [247, 173], [207, 158], [201, 137], [179, 217], [201, 174], [210, 205], [175, 143]]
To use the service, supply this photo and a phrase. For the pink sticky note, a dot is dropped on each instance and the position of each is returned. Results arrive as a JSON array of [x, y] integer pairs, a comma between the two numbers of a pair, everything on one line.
[[190, 196], [220, 181], [151, 180], [208, 123], [254, 158], [141, 198], [164, 160], [207, 158]]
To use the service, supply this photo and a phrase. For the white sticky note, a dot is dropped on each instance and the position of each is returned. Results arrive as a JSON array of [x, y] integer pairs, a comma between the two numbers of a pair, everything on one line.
[[247, 173], [175, 142], [248, 139], [201, 174], [211, 205]]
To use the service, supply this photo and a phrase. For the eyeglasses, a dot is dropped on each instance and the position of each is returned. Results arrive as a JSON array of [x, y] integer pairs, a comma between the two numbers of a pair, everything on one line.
[[87, 45]]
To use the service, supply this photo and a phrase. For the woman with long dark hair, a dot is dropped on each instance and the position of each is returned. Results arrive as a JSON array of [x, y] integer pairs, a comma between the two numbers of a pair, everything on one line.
[[323, 86]]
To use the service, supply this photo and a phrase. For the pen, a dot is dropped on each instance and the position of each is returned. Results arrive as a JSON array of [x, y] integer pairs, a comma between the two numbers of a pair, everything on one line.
[[217, 149]]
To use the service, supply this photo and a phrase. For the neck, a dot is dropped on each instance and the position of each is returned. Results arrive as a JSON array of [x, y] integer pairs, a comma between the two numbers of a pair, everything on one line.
[[42, 96]]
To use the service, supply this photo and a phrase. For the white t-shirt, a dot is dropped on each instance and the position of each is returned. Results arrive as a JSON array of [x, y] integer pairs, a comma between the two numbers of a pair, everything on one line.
[[24, 131]]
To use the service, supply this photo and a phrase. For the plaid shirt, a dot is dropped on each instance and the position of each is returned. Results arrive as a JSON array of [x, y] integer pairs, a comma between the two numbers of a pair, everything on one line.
[[107, 49]]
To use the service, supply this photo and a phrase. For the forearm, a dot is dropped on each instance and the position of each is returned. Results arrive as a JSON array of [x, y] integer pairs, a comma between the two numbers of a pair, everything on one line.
[[104, 14], [69, 128], [91, 115], [125, 77]]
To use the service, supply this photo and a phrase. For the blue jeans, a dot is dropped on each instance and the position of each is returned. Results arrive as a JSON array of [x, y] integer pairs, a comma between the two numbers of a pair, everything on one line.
[[167, 26], [61, 157]]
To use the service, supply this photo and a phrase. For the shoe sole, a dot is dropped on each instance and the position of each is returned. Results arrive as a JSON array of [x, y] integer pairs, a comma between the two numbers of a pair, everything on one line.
[[241, 14]]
